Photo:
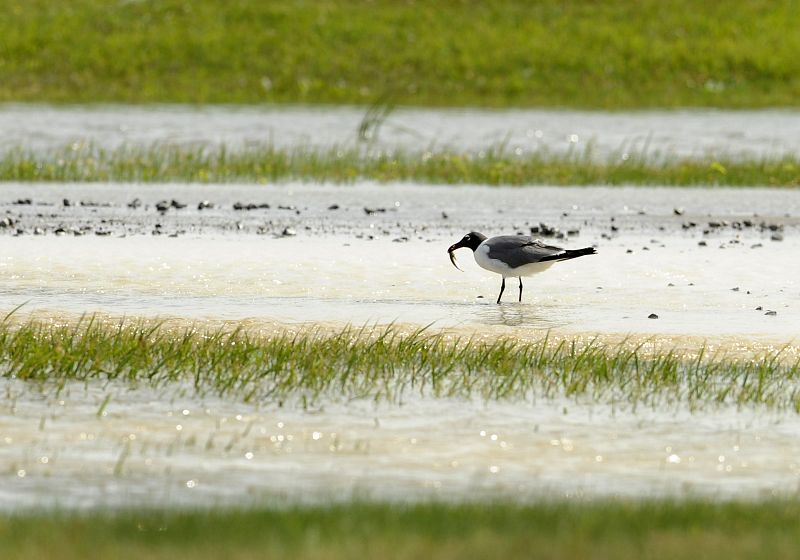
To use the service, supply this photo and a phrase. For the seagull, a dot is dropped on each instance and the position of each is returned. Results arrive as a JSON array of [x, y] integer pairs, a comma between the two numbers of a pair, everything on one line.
[[514, 255]]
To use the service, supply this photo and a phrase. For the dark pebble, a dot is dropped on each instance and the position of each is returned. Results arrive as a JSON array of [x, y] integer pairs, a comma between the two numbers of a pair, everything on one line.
[[205, 204], [759, 308], [652, 316], [177, 205], [23, 202], [370, 211], [677, 211], [163, 206], [333, 207], [66, 202], [249, 206], [288, 232], [702, 243], [771, 313]]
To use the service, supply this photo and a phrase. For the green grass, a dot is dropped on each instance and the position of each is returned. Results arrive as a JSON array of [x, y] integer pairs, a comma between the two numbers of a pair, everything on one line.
[[613, 530], [385, 364], [492, 166], [610, 54]]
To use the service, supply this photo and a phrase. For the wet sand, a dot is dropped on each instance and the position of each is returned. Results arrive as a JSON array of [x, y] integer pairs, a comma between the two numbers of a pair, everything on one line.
[[710, 263]]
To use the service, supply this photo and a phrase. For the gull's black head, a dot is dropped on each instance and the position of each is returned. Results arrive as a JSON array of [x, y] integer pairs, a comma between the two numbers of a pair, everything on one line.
[[471, 240]]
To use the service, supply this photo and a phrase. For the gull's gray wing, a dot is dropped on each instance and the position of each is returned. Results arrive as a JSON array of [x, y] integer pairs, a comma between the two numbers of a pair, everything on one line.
[[519, 250]]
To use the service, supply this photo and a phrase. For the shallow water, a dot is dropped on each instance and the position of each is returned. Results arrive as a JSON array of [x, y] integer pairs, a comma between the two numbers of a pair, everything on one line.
[[332, 280], [680, 133], [149, 447]]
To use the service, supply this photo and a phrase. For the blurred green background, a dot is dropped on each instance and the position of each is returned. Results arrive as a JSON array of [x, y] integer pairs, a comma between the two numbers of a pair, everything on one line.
[[548, 53]]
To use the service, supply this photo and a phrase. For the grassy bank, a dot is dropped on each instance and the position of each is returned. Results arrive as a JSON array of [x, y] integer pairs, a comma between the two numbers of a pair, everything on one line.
[[493, 166], [597, 530], [387, 365], [613, 54]]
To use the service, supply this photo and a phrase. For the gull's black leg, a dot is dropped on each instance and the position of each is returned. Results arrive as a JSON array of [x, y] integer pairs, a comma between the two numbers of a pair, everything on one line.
[[502, 287], [520, 289]]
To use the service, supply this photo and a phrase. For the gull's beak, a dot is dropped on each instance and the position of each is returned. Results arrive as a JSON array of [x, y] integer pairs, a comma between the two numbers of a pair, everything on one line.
[[451, 253]]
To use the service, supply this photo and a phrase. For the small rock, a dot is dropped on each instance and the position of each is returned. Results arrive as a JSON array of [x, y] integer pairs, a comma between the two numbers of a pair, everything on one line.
[[177, 205], [776, 237], [702, 243], [759, 308], [249, 206], [162, 206], [23, 202], [204, 204], [135, 203], [333, 207], [677, 211], [288, 232], [652, 316], [736, 289], [400, 239], [38, 231], [66, 202], [771, 313], [444, 215], [370, 211]]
